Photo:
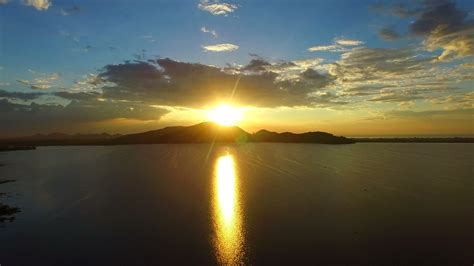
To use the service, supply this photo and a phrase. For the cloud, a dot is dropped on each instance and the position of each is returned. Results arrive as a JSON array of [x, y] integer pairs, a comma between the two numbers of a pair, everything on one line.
[[432, 114], [20, 95], [23, 81], [460, 100], [389, 34], [436, 14], [212, 32], [42, 82], [397, 96], [256, 65], [348, 42], [360, 78], [70, 11], [327, 99], [446, 27], [149, 38], [38, 4], [365, 64], [392, 76], [458, 44], [2, 2], [40, 87], [223, 47], [338, 46], [329, 48], [29, 118], [216, 7], [173, 83], [442, 25]]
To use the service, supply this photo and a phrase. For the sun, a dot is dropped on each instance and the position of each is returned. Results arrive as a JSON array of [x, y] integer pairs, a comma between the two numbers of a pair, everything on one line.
[[225, 115]]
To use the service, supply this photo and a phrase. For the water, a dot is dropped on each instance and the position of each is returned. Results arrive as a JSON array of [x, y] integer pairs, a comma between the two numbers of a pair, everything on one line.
[[261, 203]]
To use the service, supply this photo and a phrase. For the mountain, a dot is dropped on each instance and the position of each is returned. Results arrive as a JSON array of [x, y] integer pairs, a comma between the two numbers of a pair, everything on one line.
[[200, 133], [308, 137], [211, 132], [206, 132]]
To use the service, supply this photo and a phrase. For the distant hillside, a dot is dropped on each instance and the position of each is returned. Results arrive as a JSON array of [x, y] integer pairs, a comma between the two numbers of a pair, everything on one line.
[[203, 132], [308, 137], [206, 132], [211, 132]]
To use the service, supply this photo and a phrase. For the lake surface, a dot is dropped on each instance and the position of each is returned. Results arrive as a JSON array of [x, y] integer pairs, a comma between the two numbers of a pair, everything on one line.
[[366, 203]]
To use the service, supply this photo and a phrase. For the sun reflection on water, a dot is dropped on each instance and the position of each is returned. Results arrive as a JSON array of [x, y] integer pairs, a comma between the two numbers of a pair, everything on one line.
[[229, 239]]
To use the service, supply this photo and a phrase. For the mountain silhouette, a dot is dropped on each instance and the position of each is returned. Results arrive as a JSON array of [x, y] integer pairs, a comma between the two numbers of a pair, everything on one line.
[[206, 132], [308, 137], [200, 133], [211, 132]]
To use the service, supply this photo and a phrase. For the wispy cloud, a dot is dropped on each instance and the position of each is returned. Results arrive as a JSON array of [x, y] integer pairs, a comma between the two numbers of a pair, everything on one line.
[[389, 34], [38, 4], [42, 82], [40, 87], [223, 47], [3, 2], [149, 38], [212, 32], [329, 48], [348, 42], [339, 45], [70, 11], [216, 7]]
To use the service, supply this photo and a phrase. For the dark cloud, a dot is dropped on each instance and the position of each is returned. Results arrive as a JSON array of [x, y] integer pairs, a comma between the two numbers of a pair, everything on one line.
[[20, 95], [169, 82], [33, 118], [436, 14], [256, 65], [443, 25], [389, 34], [77, 95]]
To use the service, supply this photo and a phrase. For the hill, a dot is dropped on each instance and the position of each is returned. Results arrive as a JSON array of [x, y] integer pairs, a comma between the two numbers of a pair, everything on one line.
[[206, 132], [200, 133], [308, 137]]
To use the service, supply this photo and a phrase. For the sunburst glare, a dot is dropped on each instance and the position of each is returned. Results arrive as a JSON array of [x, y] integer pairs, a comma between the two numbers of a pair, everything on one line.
[[225, 115]]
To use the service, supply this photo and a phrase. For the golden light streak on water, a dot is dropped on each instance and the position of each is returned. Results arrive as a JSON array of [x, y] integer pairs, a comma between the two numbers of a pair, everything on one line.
[[229, 237]]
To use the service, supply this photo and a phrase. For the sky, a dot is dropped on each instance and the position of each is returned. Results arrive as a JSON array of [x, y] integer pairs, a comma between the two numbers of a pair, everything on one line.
[[353, 68]]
